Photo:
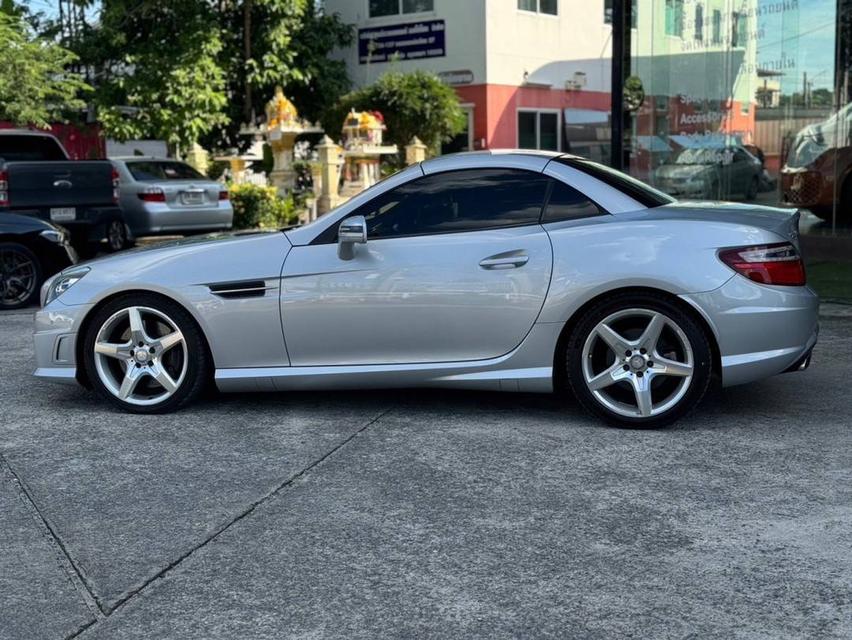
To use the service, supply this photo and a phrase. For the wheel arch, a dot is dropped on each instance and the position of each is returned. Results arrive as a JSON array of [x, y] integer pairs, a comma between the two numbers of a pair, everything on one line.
[[559, 381], [85, 323]]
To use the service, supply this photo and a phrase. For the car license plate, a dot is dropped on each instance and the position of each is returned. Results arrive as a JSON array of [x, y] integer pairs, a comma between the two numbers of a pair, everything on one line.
[[63, 214], [193, 197]]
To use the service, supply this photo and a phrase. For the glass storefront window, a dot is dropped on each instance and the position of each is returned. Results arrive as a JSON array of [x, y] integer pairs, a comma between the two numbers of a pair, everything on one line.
[[747, 100]]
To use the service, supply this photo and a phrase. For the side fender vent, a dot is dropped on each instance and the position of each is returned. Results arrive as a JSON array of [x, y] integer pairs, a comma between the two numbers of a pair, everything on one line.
[[242, 289]]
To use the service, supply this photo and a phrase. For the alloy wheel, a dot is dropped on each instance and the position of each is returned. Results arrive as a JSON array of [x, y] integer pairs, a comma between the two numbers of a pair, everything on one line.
[[140, 355], [18, 277], [116, 235], [637, 362]]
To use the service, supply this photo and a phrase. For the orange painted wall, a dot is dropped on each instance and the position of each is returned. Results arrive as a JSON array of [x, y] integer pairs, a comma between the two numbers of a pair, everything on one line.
[[495, 117]]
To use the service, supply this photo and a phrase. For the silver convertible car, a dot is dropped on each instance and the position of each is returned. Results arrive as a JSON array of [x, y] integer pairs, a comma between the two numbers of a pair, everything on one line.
[[510, 271]]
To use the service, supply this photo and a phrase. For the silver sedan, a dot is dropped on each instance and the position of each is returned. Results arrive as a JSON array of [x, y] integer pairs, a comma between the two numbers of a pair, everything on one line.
[[509, 271], [159, 195]]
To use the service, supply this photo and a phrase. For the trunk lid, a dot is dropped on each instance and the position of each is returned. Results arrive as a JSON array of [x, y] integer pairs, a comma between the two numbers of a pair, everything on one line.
[[783, 222]]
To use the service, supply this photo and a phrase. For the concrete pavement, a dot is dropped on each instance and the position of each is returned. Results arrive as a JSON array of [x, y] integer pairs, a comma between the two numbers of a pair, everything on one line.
[[425, 514]]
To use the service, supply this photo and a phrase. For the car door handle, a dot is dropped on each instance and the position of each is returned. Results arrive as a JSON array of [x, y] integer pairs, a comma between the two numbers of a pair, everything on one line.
[[508, 260]]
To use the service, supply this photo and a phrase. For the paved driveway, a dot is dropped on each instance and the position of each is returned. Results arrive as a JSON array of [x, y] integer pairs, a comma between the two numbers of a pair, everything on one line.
[[415, 514]]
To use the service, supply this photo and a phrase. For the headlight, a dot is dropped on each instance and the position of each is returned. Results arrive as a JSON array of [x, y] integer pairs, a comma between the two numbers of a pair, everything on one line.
[[59, 284], [54, 235]]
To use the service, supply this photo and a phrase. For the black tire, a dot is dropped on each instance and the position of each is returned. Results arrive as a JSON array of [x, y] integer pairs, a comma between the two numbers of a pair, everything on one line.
[[753, 188], [659, 303], [21, 276], [116, 235], [198, 360]]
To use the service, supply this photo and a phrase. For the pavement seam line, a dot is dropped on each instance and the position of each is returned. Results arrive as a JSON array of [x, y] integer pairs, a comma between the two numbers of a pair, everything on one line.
[[243, 514], [60, 552]]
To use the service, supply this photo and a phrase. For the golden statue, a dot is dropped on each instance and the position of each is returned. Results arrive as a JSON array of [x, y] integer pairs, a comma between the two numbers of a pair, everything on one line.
[[279, 110]]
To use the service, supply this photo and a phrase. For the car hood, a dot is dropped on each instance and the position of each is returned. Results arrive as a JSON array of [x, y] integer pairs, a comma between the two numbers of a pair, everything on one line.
[[682, 170], [171, 249], [182, 267]]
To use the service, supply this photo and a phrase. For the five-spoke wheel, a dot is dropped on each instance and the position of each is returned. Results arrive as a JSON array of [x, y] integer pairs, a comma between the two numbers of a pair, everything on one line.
[[638, 360], [145, 353]]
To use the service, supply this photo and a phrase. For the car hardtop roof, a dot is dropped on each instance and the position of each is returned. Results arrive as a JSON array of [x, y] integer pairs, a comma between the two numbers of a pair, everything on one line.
[[145, 159], [25, 132]]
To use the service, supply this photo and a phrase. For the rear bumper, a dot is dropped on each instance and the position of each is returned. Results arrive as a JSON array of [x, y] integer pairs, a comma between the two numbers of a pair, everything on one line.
[[761, 330], [153, 217]]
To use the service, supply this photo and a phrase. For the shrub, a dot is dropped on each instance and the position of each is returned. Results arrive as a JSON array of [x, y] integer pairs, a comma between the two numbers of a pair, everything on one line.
[[256, 206]]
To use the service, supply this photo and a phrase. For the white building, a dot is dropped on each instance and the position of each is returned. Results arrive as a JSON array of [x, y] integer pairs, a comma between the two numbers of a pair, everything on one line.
[[536, 73]]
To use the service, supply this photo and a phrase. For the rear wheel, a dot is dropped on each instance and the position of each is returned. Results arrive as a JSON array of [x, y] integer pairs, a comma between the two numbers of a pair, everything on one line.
[[20, 276], [638, 361], [145, 354], [116, 236]]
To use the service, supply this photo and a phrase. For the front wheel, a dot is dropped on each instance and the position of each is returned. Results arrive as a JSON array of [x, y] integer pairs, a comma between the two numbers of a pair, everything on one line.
[[638, 361], [145, 354], [20, 276]]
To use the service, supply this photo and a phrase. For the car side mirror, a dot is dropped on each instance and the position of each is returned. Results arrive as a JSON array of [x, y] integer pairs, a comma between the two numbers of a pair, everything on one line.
[[351, 231]]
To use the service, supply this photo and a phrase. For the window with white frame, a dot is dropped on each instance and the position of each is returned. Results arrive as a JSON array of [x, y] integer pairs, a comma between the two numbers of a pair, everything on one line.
[[538, 130], [380, 8], [549, 7]]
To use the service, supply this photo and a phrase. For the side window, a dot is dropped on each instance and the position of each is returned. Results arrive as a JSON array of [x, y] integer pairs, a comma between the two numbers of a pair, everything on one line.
[[566, 203], [465, 200]]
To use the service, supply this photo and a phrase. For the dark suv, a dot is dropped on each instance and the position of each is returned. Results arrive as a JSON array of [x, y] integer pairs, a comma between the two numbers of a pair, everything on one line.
[[37, 179]]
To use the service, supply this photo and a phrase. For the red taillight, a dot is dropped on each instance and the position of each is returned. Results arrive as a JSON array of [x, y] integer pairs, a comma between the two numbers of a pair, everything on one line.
[[115, 179], [153, 194], [767, 264], [223, 195], [4, 189]]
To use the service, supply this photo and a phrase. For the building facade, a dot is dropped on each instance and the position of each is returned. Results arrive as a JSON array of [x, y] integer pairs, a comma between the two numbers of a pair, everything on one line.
[[721, 98]]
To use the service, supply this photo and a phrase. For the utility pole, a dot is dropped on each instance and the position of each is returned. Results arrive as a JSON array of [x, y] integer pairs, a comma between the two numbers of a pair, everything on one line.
[[619, 118]]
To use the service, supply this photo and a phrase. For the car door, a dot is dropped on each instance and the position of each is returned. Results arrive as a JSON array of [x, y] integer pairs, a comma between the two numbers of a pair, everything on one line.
[[456, 267]]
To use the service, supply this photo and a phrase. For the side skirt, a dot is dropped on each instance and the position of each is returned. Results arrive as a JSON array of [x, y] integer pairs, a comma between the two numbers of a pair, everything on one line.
[[528, 368]]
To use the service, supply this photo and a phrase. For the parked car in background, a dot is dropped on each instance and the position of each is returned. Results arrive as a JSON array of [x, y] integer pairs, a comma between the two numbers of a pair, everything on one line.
[[167, 196], [31, 250], [37, 179], [817, 173], [711, 173]]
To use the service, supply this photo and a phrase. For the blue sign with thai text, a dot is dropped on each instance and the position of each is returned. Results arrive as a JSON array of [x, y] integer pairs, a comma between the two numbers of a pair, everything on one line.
[[410, 41]]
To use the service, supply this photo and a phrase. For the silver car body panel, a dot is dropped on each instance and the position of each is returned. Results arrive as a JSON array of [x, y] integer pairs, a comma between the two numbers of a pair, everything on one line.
[[421, 311], [415, 299]]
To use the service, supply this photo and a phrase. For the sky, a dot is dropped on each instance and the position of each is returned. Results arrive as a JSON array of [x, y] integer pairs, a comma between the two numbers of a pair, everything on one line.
[[805, 35]]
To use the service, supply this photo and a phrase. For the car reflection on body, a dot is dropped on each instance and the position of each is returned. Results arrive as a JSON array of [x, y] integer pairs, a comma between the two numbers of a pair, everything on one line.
[[508, 271], [817, 173], [711, 173]]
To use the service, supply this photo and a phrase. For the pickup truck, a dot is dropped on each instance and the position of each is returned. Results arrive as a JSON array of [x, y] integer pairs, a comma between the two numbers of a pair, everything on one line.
[[37, 179]]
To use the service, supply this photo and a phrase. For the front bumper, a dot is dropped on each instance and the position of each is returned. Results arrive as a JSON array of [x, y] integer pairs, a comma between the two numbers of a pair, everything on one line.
[[761, 330], [56, 329]]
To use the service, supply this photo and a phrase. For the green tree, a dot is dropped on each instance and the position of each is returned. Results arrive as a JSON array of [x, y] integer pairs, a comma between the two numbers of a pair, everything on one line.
[[195, 70], [35, 86], [413, 104]]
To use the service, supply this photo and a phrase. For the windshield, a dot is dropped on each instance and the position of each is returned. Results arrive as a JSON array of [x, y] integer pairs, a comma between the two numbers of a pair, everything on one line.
[[156, 171], [22, 148]]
